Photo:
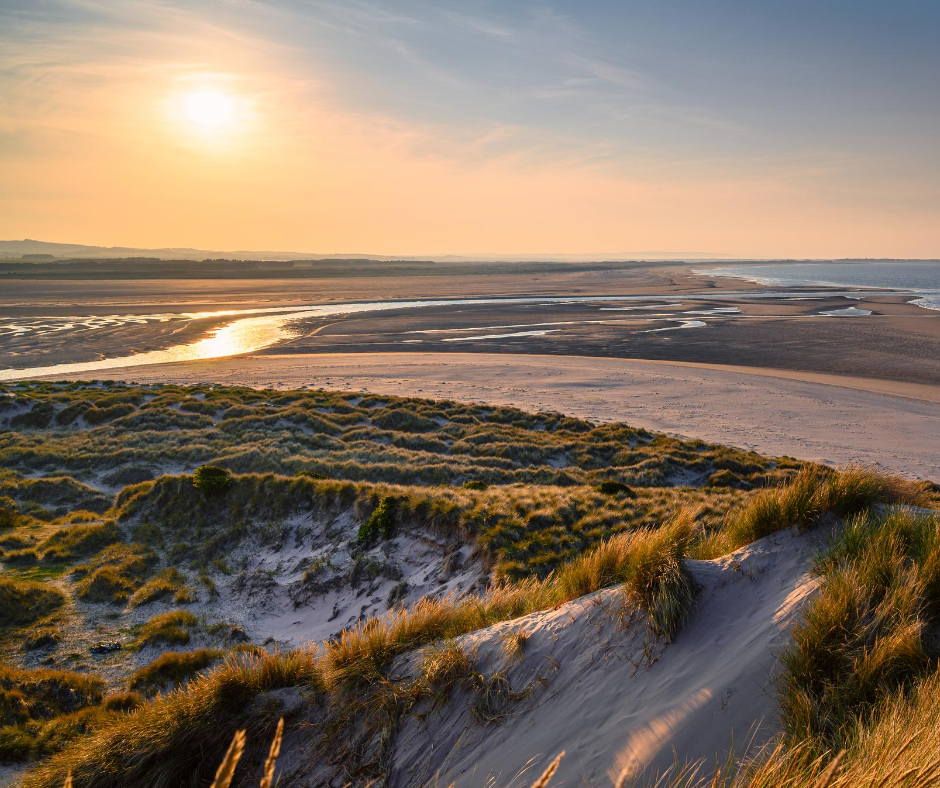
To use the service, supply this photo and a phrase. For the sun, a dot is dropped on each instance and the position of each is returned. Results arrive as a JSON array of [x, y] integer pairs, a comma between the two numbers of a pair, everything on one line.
[[210, 109]]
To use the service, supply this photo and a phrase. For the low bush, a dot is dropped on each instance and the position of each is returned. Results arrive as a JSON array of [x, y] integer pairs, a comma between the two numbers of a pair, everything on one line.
[[380, 523], [211, 479], [610, 487]]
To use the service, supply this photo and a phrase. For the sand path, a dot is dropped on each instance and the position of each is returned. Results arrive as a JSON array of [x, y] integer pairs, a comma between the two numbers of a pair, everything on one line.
[[835, 419]]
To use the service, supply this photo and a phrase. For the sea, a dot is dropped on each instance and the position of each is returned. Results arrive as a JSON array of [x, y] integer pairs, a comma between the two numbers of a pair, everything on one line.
[[921, 277]]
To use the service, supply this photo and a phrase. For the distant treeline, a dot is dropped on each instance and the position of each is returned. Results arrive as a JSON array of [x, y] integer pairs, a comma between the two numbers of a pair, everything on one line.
[[155, 268]]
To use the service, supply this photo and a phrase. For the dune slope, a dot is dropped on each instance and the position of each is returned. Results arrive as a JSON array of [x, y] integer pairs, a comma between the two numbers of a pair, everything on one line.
[[591, 680]]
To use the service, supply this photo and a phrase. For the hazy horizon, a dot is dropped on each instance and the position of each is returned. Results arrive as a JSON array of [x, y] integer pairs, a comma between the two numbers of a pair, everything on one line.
[[11, 250]]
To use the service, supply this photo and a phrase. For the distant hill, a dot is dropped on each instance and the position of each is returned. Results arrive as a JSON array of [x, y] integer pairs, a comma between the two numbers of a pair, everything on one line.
[[19, 249]]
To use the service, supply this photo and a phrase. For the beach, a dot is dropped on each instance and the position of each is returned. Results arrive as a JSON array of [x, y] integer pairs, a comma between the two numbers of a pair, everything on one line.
[[837, 375]]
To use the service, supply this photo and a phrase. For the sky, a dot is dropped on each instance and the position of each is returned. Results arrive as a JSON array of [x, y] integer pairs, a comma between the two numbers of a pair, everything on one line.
[[738, 128]]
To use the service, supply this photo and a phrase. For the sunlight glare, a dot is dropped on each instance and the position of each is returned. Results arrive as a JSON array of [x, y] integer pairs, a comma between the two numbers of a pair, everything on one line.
[[210, 108]]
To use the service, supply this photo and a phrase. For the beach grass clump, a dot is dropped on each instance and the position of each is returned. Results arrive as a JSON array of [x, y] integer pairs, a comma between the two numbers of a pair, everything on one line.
[[444, 668], [813, 494], [27, 601], [172, 668], [115, 573], [180, 738], [173, 628], [36, 418], [78, 541], [41, 710], [23, 557], [658, 582], [167, 582], [123, 701], [613, 487], [896, 748], [867, 635], [9, 513]]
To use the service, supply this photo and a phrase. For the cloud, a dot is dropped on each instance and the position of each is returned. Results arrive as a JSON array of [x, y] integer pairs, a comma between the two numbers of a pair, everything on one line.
[[430, 127]]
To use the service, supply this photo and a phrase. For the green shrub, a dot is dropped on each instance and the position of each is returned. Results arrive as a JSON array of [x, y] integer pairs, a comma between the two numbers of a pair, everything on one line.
[[610, 487], [211, 479], [380, 523]]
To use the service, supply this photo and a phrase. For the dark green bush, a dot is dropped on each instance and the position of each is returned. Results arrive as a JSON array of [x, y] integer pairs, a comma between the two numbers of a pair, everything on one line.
[[610, 487], [211, 479], [9, 513], [380, 523]]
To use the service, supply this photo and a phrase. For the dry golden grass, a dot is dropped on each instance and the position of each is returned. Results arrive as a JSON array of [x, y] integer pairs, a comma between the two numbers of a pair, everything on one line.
[[900, 748], [814, 493], [180, 738], [647, 563]]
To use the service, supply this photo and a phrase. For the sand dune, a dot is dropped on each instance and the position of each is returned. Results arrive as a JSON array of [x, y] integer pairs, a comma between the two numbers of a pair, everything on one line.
[[604, 691], [822, 417]]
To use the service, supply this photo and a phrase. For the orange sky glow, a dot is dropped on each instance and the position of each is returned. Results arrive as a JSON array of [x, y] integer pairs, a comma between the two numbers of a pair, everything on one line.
[[185, 133]]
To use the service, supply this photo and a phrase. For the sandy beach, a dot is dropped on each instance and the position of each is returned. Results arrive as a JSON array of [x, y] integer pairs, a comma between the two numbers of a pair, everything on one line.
[[835, 419]]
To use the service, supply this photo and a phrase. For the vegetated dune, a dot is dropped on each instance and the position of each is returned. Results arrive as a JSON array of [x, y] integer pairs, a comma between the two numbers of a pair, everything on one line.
[[591, 679], [489, 587]]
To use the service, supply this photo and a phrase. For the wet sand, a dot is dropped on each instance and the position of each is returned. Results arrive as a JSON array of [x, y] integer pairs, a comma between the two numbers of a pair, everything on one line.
[[773, 374], [897, 342], [686, 318]]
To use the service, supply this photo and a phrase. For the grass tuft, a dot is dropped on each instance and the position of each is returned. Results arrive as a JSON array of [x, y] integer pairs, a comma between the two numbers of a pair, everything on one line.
[[27, 601]]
